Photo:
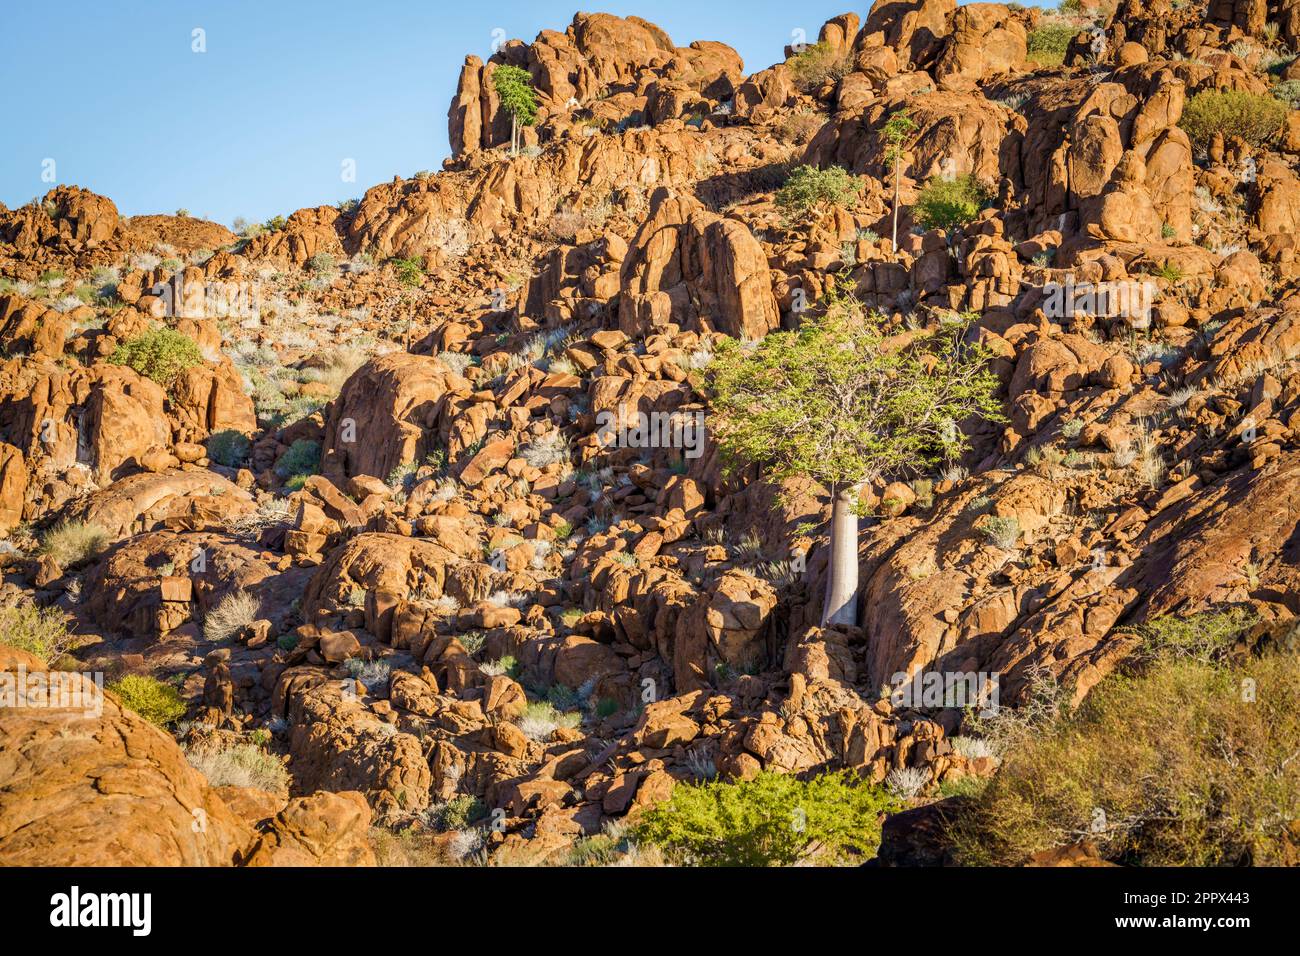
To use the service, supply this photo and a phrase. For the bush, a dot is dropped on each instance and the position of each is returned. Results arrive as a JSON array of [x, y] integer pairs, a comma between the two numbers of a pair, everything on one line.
[[772, 820], [36, 630], [239, 765], [1001, 532], [229, 447], [946, 204], [73, 542], [1173, 765], [409, 271], [322, 262], [300, 461], [816, 66], [1256, 118], [1288, 91], [809, 187], [1047, 45], [149, 697], [159, 354], [230, 615]]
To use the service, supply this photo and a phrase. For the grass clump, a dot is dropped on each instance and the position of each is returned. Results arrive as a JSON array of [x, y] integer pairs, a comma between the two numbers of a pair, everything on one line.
[[155, 701], [40, 631], [1186, 759], [160, 354], [230, 615], [946, 204], [1256, 118], [72, 542], [229, 447], [809, 188], [772, 820], [240, 765]]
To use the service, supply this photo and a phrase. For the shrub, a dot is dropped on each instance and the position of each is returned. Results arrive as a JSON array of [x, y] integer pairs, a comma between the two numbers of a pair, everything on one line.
[[322, 262], [239, 765], [1256, 118], [1288, 91], [458, 813], [1001, 532], [149, 697], [73, 542], [772, 820], [809, 187], [229, 447], [160, 354], [816, 66], [540, 720], [300, 461], [409, 271], [274, 224], [1174, 764], [1047, 44], [551, 449], [230, 615], [41, 631], [946, 204]]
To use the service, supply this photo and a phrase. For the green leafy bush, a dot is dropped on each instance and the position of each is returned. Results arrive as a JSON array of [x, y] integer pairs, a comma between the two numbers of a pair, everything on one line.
[[946, 204], [160, 354], [301, 460], [809, 187], [816, 66], [149, 697], [1047, 44], [1185, 760], [1288, 91], [229, 447], [41, 631], [772, 820], [409, 271], [1256, 118]]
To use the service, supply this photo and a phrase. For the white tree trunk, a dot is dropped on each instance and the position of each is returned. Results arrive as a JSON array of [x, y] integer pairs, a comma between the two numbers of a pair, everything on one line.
[[842, 594], [514, 135]]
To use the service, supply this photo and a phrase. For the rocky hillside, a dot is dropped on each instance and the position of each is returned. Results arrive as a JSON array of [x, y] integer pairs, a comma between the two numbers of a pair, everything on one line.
[[329, 501]]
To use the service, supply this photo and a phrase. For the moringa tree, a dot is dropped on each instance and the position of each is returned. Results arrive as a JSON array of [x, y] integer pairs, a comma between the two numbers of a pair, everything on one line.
[[843, 401], [897, 130], [514, 85]]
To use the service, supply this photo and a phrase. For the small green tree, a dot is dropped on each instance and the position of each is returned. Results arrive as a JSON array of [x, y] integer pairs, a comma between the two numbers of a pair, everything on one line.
[[514, 86], [839, 403], [897, 131], [161, 354], [809, 188]]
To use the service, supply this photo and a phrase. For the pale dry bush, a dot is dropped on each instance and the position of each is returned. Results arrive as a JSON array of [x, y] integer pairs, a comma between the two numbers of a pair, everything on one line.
[[230, 615], [239, 765]]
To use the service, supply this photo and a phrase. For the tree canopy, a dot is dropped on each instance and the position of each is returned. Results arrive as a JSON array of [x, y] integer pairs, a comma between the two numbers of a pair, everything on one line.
[[514, 85]]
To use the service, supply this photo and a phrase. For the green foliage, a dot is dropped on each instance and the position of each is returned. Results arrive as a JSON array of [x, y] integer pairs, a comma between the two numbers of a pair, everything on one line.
[[946, 204], [1256, 118], [275, 224], [149, 697], [897, 130], [837, 403], [1178, 762], [409, 271], [809, 187], [41, 631], [816, 66], [229, 447], [1047, 44], [301, 460], [1288, 91], [458, 813], [1200, 637], [160, 354], [514, 86], [1169, 271], [321, 263], [772, 820]]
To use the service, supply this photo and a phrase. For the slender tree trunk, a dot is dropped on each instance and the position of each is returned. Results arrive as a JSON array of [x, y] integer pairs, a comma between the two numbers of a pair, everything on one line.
[[894, 239], [842, 592], [514, 135]]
